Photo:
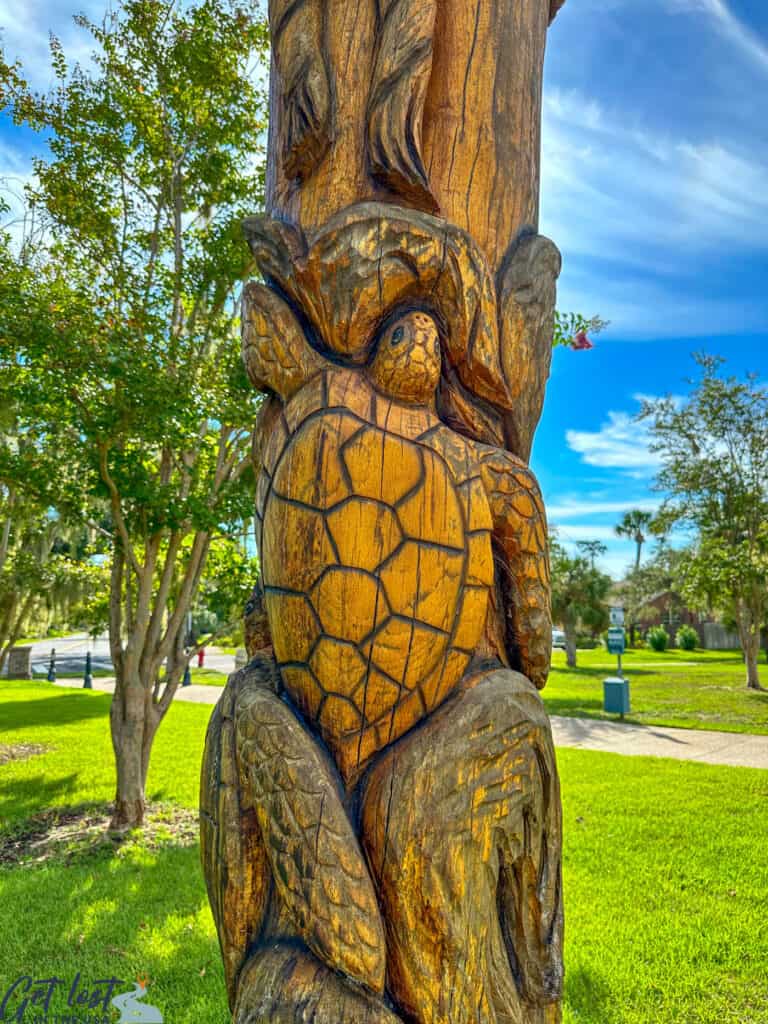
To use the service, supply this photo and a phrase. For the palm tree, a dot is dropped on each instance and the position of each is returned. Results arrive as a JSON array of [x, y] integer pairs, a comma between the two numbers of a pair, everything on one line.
[[634, 524]]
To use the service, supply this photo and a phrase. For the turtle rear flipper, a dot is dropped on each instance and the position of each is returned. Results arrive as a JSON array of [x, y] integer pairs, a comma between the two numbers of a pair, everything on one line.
[[520, 536], [235, 864], [318, 868]]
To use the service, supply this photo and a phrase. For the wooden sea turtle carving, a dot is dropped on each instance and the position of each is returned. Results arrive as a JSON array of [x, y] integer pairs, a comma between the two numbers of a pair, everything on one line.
[[376, 529]]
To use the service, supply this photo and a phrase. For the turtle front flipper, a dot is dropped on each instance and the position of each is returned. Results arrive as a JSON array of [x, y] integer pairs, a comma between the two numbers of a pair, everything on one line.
[[318, 868], [276, 353], [520, 534]]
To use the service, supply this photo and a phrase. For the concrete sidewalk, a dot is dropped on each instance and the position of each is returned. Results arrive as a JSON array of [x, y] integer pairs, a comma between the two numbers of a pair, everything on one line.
[[726, 748], [735, 749]]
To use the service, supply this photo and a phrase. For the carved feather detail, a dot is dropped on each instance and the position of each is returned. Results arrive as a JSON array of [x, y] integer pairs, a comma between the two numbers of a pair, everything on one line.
[[276, 353], [235, 864], [317, 864], [299, 51], [401, 74]]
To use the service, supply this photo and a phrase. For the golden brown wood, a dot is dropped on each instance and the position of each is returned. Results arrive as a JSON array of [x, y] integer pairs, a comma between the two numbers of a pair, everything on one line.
[[380, 806]]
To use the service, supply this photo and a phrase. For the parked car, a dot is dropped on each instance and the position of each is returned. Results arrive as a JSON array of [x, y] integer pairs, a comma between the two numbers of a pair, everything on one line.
[[558, 638]]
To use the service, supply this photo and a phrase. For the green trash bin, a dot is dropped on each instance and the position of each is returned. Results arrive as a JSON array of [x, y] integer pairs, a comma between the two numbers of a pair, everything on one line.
[[616, 695]]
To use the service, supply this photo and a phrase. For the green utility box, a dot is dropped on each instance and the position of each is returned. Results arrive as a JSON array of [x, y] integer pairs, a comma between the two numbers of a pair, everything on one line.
[[616, 696]]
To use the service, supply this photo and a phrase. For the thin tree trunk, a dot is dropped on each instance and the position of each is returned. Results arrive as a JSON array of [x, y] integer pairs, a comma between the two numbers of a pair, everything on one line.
[[128, 720], [570, 646], [749, 638]]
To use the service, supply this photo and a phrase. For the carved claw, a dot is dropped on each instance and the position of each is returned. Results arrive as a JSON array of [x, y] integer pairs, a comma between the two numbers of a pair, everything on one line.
[[286, 985]]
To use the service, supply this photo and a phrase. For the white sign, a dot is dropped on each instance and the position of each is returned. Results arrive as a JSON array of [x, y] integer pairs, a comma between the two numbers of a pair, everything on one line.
[[617, 615]]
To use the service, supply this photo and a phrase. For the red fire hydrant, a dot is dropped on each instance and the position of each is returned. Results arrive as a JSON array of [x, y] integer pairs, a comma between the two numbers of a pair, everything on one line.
[[200, 657]]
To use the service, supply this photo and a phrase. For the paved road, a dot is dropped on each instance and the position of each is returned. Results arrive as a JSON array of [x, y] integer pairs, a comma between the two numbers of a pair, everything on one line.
[[725, 748], [71, 651]]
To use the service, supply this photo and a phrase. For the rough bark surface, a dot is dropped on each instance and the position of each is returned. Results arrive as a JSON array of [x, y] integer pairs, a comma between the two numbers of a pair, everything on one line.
[[381, 825]]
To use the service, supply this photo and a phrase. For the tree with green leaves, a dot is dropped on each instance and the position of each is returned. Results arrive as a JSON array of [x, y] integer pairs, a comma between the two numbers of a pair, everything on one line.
[[579, 595], [592, 549], [635, 525], [121, 335], [714, 452]]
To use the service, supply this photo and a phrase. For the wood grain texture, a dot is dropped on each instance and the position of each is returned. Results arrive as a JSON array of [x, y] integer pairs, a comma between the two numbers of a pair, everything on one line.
[[381, 823], [461, 822], [285, 984], [527, 292], [436, 104], [316, 863], [401, 73], [300, 54], [234, 860]]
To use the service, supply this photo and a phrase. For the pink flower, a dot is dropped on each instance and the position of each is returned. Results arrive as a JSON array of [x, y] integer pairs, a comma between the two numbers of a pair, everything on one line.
[[580, 342]]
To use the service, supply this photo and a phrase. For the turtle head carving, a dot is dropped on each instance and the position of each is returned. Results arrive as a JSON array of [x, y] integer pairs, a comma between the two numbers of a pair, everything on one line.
[[406, 364]]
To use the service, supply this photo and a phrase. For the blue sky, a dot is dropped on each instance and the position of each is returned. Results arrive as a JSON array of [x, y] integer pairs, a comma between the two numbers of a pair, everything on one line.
[[655, 187]]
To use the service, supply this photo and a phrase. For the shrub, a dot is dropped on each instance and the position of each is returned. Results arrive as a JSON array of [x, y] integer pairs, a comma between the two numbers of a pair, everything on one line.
[[658, 638], [686, 638]]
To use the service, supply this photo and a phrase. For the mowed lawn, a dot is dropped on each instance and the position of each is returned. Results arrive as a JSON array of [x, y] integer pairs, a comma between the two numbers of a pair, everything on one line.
[[688, 689], [665, 877]]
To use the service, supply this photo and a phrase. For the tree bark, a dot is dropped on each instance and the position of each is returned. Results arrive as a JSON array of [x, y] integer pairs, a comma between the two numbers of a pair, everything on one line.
[[570, 646], [132, 733], [749, 636]]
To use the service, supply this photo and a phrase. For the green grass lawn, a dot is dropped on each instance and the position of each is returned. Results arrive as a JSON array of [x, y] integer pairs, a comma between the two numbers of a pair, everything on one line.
[[689, 689], [208, 677], [665, 877]]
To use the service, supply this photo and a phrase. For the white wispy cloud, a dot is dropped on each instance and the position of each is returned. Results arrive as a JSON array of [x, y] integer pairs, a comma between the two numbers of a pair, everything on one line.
[[25, 29], [579, 508], [615, 189], [621, 443], [730, 26]]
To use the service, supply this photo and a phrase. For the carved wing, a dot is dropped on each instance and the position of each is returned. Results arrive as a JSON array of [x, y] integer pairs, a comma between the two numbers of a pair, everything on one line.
[[526, 322], [299, 50], [317, 864], [276, 353], [235, 864], [520, 530], [401, 75]]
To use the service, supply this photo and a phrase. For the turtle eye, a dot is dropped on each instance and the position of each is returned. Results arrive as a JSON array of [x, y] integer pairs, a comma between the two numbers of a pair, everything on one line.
[[397, 335]]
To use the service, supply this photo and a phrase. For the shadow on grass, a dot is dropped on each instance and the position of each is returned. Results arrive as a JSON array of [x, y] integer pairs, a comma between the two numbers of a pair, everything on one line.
[[55, 710], [588, 995], [119, 915], [22, 798]]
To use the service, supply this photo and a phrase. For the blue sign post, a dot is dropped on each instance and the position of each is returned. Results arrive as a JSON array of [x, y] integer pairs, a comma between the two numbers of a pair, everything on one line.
[[616, 689]]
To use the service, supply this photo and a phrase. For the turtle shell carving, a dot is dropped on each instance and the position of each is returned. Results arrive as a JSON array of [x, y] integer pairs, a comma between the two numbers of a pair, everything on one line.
[[376, 551], [374, 525]]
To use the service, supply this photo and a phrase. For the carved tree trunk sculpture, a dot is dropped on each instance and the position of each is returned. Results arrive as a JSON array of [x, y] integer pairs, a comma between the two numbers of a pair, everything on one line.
[[380, 818]]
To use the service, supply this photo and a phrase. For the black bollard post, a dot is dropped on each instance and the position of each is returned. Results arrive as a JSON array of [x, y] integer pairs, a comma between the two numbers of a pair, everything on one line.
[[187, 680], [52, 666], [88, 677]]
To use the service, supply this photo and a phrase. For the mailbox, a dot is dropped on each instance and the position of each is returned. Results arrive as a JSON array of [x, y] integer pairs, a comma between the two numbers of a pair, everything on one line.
[[616, 696]]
